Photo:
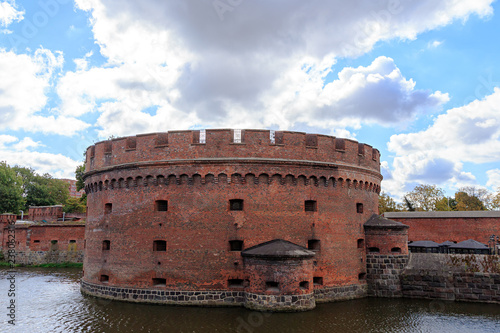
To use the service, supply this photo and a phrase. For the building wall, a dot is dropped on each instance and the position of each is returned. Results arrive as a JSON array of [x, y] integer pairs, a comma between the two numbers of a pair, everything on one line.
[[72, 188], [449, 226], [40, 244], [198, 180], [45, 213]]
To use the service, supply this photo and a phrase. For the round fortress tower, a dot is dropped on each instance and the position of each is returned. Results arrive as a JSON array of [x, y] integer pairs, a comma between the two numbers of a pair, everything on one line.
[[268, 220]]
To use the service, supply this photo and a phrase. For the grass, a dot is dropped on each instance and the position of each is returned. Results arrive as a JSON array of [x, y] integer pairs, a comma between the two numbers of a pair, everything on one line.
[[51, 265]]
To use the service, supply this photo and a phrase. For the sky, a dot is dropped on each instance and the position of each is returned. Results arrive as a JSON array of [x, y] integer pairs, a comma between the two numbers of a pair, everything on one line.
[[417, 79]]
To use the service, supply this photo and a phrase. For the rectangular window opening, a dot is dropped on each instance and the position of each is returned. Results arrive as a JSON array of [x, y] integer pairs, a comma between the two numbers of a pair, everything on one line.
[[313, 245], [359, 208], [160, 246], [272, 137], [310, 206], [36, 241], [106, 245], [236, 245], [318, 281], [159, 282], [203, 136], [304, 285], [108, 208], [236, 204], [397, 250], [361, 276], [373, 250], [237, 136], [104, 278], [361, 243], [272, 286], [235, 283], [161, 205]]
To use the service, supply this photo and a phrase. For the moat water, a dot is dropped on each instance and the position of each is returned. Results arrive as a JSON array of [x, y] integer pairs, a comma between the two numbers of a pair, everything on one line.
[[49, 300]]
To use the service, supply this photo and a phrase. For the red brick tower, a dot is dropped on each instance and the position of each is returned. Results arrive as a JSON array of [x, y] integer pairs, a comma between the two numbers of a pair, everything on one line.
[[170, 214]]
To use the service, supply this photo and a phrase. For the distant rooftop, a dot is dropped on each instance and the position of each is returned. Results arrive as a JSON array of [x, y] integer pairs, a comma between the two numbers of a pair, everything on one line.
[[379, 221], [443, 215]]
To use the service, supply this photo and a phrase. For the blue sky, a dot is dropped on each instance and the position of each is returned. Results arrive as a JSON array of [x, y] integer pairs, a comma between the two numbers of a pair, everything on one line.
[[416, 79]]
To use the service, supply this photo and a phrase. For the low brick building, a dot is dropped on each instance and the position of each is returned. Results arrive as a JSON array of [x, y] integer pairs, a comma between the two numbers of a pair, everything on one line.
[[41, 243], [449, 226]]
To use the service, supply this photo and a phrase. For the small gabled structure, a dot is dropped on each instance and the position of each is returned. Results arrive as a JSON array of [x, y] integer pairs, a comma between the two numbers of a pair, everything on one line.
[[424, 246], [281, 276], [469, 246]]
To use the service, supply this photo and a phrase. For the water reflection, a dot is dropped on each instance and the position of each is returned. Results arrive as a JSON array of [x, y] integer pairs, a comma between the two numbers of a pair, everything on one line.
[[49, 300]]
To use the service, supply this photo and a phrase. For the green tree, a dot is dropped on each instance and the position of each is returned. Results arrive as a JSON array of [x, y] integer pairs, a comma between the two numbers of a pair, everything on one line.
[[387, 204], [425, 197], [79, 172], [11, 191], [42, 190], [75, 205], [495, 200], [446, 204], [466, 201]]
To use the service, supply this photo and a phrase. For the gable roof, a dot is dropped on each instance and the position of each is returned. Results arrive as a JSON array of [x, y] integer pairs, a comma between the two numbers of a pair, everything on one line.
[[424, 243], [469, 244], [378, 221], [277, 249]]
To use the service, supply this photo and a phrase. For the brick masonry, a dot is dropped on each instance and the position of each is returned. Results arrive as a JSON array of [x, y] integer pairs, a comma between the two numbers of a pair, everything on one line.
[[127, 179], [449, 226]]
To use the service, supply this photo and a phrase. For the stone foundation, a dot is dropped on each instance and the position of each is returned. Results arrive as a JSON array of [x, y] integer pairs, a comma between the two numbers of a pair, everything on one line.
[[283, 303], [448, 277], [201, 298], [384, 274], [341, 293], [48, 257]]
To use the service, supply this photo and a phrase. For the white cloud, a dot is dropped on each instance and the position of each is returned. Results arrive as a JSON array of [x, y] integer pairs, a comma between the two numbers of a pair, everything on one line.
[[9, 13], [23, 88], [20, 153], [434, 44], [436, 155], [493, 179], [268, 62]]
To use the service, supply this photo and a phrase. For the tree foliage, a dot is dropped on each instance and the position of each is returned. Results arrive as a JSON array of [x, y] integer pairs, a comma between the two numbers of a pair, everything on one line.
[[11, 193], [79, 172], [425, 197], [41, 190], [387, 204]]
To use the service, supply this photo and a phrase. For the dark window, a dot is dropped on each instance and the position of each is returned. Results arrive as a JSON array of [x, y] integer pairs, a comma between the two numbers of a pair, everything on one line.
[[236, 204], [304, 285], [160, 245], [373, 250], [310, 205], [235, 283], [359, 208], [36, 241], [108, 208], [236, 245], [313, 244], [318, 281], [272, 286], [104, 278], [72, 241], [361, 276], [396, 250], [161, 205], [54, 246], [106, 244], [159, 282], [361, 243]]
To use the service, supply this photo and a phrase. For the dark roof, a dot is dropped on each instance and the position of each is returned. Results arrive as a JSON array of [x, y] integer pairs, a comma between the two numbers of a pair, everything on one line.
[[378, 221], [424, 243], [469, 244], [277, 249], [447, 243]]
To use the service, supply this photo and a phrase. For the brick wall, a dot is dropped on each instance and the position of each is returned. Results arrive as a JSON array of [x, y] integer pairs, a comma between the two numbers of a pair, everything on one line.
[[126, 177], [449, 226]]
